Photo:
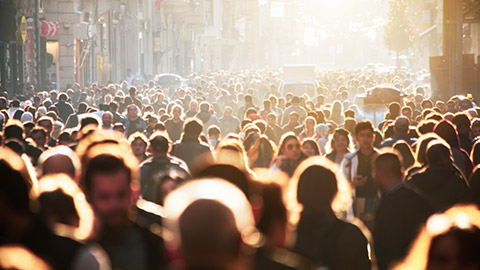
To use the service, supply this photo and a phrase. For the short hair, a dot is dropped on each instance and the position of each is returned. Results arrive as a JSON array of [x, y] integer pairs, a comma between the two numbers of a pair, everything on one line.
[[13, 129], [402, 124], [389, 163], [40, 130], [363, 125], [119, 126], [460, 120], [62, 96], [45, 119], [248, 98], [104, 163], [89, 120], [138, 136], [349, 114], [159, 143], [193, 127], [213, 130], [436, 151]]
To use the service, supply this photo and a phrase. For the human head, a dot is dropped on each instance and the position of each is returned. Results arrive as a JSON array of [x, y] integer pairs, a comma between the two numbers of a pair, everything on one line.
[[439, 154], [159, 144], [132, 111], [310, 147], [388, 170], [462, 123], [364, 134], [107, 119], [39, 136], [341, 141], [138, 143], [60, 159], [193, 127], [290, 146]]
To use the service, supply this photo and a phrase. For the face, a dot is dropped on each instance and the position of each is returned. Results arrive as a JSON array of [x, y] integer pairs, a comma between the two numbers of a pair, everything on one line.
[[107, 119], [365, 138], [476, 130], [138, 147], [177, 112], [292, 149], [407, 113], [308, 150], [310, 124], [132, 112], [39, 139], [110, 197], [228, 113], [46, 125], [293, 119], [340, 143]]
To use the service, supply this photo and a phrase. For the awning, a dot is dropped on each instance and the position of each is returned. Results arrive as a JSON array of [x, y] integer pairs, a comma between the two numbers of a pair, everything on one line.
[[49, 29]]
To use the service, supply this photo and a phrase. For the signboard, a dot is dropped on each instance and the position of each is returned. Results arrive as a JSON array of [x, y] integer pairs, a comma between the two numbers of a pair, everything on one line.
[[99, 62], [23, 30]]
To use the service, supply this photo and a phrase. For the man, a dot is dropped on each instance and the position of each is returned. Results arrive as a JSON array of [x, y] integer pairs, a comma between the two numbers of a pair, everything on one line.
[[357, 167], [442, 184], [462, 124], [277, 130], [400, 130], [113, 108], [174, 126], [228, 122], [133, 95], [192, 109], [295, 107], [107, 120], [39, 136], [110, 185], [156, 170], [73, 119], [248, 101], [22, 226], [214, 134], [159, 102], [293, 122], [13, 130], [400, 213], [64, 109], [190, 149], [47, 123], [133, 121], [138, 144], [408, 113]]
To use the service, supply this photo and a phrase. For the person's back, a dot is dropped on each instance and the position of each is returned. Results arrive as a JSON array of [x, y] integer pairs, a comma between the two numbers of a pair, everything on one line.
[[331, 242], [440, 182], [398, 219]]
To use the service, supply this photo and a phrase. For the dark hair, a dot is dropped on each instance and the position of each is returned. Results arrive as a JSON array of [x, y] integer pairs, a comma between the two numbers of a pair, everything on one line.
[[159, 143], [475, 154], [103, 163], [406, 151], [389, 163], [213, 130], [312, 143], [363, 125], [13, 130], [317, 186], [229, 173], [193, 127], [447, 131], [274, 209], [460, 120], [88, 121]]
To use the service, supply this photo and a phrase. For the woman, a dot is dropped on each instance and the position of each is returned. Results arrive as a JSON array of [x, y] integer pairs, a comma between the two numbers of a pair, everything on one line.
[[317, 194], [337, 112], [288, 156], [310, 148], [340, 145], [421, 154], [309, 129]]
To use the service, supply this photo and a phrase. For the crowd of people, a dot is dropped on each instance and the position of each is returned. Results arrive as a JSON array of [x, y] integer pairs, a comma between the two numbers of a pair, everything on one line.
[[226, 172]]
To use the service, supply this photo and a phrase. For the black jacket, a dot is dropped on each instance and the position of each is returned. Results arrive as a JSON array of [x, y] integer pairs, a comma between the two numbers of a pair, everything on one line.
[[398, 219]]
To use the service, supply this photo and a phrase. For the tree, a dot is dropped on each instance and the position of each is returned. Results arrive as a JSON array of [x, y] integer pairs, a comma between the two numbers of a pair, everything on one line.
[[398, 30]]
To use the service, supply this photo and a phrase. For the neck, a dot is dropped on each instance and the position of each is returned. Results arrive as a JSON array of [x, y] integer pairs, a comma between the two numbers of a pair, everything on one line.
[[340, 153], [366, 151]]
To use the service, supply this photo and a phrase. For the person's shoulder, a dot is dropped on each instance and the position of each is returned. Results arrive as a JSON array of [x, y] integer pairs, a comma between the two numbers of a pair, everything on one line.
[[351, 155]]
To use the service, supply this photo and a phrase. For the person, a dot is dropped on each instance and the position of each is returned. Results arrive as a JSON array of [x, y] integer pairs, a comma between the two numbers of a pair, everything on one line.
[[408, 160], [21, 224], [132, 91], [13, 130], [400, 128], [159, 168], [47, 123], [39, 136], [357, 167], [295, 107], [475, 154], [229, 123], [288, 156], [462, 125], [449, 240], [73, 119], [309, 129], [321, 236], [340, 144], [440, 182], [310, 148], [190, 149], [293, 122], [337, 113], [110, 182], [214, 135], [107, 120], [209, 233], [59, 159], [138, 143], [447, 131], [134, 122], [64, 109], [175, 124], [206, 116], [400, 212], [117, 117]]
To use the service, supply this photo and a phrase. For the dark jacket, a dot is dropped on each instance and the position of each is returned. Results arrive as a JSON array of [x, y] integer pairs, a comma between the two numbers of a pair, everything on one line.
[[398, 219], [442, 187], [397, 137], [331, 242], [64, 110], [189, 149]]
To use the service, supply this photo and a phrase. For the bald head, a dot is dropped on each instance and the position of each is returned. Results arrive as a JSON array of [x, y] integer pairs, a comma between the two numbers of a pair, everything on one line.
[[401, 125]]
